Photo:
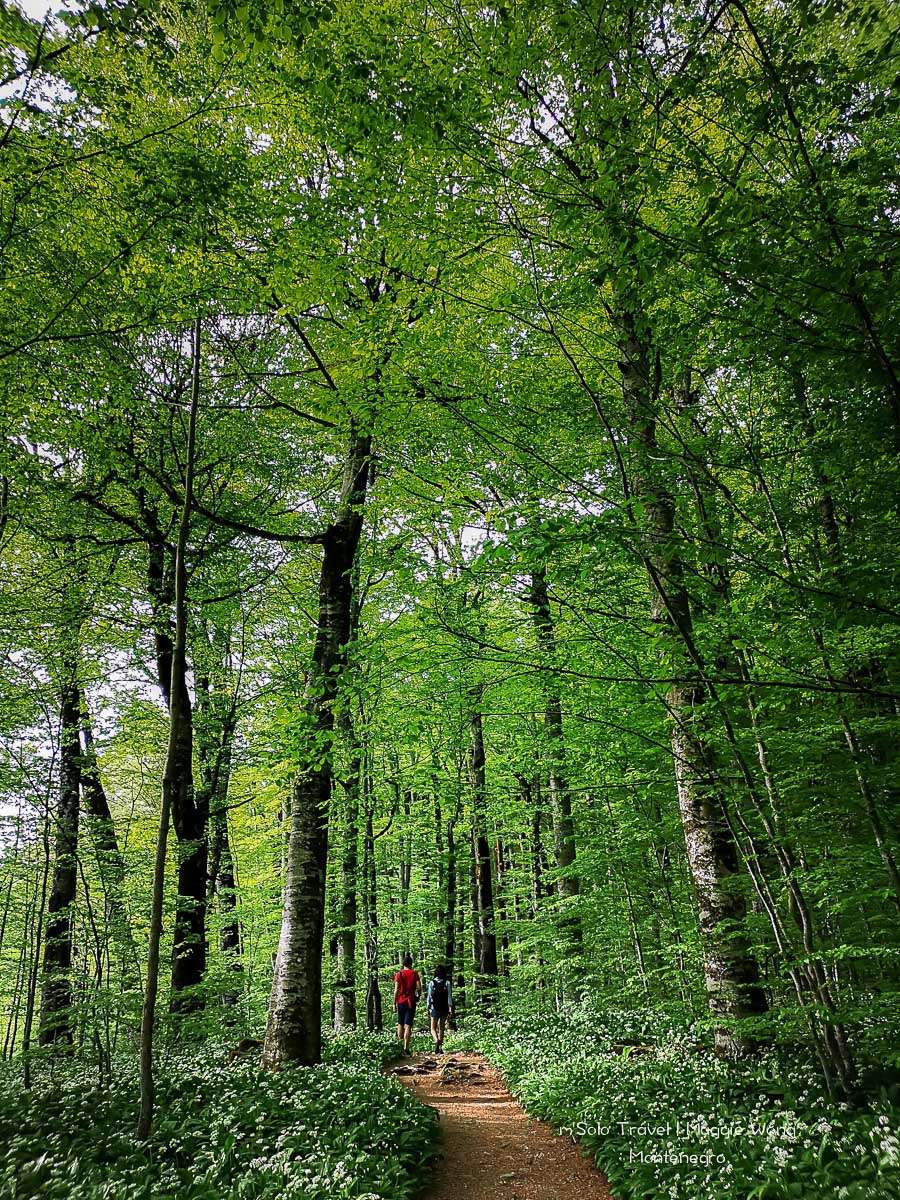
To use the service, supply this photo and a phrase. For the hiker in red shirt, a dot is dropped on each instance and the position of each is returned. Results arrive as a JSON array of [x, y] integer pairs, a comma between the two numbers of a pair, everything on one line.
[[407, 990]]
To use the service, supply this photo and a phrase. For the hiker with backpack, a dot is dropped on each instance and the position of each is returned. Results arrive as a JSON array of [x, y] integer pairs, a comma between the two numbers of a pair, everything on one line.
[[407, 990], [439, 1003]]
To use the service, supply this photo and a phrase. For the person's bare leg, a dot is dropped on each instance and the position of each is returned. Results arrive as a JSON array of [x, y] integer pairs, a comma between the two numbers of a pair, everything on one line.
[[407, 1034], [441, 1026], [435, 1032]]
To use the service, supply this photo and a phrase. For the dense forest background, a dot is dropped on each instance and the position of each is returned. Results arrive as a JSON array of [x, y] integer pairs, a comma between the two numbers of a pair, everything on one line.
[[448, 504]]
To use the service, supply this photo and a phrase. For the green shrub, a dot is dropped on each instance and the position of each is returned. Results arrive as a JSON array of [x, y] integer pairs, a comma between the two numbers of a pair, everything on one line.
[[221, 1132], [643, 1116]]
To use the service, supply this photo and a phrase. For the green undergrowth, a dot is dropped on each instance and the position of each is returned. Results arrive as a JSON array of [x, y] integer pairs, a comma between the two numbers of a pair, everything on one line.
[[676, 1123], [221, 1132]]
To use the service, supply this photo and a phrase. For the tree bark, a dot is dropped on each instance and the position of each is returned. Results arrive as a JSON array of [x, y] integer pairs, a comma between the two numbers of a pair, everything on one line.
[[564, 846], [484, 883], [189, 812], [106, 846], [190, 819], [215, 725], [294, 1030], [179, 750], [450, 909], [56, 983], [730, 971]]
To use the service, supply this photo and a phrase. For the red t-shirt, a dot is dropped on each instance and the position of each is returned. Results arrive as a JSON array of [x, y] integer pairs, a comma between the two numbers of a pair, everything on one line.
[[408, 980]]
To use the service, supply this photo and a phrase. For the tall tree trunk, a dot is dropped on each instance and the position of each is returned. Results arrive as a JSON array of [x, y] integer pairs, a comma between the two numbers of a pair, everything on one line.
[[459, 995], [484, 883], [56, 982], [564, 849], [730, 971], [827, 1032], [190, 819], [176, 784], [294, 1030], [231, 941], [34, 966], [531, 803], [450, 895], [189, 812], [500, 905], [215, 722], [106, 846], [437, 920], [404, 802]]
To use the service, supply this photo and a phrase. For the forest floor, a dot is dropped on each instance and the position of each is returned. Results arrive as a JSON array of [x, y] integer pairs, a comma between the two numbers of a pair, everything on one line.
[[489, 1147]]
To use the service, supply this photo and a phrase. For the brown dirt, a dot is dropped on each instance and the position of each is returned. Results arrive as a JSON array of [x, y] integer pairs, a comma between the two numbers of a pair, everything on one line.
[[489, 1147]]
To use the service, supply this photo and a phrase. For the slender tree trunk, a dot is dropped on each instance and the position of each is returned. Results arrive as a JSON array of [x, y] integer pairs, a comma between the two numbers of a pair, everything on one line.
[[215, 721], [564, 848], [484, 883], [23, 965], [56, 982], [500, 905], [179, 751], [190, 820], [109, 857], [531, 803], [294, 1030], [463, 862], [34, 965], [231, 941], [189, 809], [450, 909], [405, 864], [224, 887]]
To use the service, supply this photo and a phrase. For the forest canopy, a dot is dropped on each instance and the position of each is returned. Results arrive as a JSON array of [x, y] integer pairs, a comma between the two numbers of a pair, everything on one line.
[[448, 506]]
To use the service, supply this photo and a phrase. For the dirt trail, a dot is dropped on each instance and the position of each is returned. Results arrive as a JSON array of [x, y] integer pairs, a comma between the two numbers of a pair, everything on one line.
[[489, 1147]]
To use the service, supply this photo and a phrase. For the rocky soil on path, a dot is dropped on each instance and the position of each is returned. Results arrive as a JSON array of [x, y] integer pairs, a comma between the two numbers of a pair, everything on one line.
[[489, 1147]]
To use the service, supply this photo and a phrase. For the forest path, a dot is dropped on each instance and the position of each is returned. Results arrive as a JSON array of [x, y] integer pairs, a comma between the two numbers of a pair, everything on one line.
[[489, 1147]]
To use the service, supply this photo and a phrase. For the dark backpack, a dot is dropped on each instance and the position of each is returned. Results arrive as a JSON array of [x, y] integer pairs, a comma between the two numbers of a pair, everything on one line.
[[439, 996]]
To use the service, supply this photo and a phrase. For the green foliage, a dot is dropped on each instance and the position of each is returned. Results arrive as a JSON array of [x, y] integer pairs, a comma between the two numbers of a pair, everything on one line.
[[222, 1131]]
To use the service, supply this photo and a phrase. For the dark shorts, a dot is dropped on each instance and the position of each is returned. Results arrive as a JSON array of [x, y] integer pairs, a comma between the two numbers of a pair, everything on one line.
[[405, 1012]]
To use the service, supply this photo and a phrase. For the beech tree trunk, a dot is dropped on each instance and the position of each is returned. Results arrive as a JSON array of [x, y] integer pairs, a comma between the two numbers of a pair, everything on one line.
[[564, 848], [189, 813], [806, 969], [294, 1030], [190, 817], [215, 724], [450, 895], [175, 782], [109, 857], [459, 994], [56, 983], [484, 882], [730, 971]]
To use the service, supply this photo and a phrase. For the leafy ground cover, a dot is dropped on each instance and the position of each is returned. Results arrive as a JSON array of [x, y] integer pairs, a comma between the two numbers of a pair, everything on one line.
[[679, 1124], [222, 1132]]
